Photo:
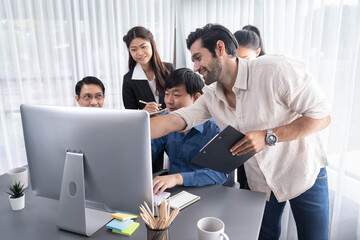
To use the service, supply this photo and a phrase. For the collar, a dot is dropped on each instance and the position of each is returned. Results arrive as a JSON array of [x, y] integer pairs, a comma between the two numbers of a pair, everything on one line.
[[241, 81], [220, 92], [199, 128], [138, 73]]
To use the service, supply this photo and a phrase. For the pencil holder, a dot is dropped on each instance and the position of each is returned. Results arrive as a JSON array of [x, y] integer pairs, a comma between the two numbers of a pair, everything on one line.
[[158, 234]]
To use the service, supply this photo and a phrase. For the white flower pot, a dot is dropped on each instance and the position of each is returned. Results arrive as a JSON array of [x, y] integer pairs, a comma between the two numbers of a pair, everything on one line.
[[17, 203]]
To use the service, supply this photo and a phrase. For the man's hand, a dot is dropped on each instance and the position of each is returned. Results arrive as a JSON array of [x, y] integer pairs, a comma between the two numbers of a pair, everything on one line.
[[152, 107], [253, 142], [160, 183]]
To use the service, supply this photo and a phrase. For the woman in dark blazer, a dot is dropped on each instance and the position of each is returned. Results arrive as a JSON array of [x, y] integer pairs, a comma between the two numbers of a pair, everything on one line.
[[145, 80]]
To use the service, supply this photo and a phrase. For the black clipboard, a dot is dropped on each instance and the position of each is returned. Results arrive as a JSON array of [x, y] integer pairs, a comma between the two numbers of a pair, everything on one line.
[[216, 153]]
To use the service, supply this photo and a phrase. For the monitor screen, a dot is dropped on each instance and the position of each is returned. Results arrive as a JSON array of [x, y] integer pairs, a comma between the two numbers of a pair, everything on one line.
[[116, 148]]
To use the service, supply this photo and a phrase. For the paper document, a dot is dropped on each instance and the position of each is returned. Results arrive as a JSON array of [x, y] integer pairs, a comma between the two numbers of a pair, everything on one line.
[[216, 153]]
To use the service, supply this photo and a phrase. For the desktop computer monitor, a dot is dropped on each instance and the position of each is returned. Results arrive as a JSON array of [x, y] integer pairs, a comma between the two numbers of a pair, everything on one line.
[[114, 148]]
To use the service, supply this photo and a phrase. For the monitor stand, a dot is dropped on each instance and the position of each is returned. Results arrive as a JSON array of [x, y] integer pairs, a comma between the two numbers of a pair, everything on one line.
[[73, 215]]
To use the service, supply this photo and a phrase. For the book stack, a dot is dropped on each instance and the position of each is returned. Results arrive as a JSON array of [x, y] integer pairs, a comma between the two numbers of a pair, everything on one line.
[[123, 223]]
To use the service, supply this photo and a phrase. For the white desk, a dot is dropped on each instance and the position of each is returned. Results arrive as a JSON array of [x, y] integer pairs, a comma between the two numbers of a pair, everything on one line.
[[240, 210]]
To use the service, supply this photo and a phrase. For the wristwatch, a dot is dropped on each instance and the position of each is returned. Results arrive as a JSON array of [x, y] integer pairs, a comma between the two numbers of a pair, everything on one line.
[[270, 138]]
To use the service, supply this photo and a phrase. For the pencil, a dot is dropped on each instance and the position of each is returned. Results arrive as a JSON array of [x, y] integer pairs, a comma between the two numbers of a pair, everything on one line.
[[143, 102]]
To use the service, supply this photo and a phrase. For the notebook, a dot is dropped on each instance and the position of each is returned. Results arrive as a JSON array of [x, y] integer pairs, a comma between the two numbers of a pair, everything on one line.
[[216, 153], [183, 199]]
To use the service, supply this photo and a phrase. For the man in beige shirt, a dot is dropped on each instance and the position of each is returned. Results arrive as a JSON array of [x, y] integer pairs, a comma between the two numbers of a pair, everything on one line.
[[275, 102]]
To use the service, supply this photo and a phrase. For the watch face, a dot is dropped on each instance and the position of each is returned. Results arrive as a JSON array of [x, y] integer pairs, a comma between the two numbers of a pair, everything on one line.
[[271, 139]]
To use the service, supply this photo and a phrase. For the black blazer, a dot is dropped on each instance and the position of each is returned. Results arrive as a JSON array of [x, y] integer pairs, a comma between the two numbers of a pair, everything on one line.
[[135, 90]]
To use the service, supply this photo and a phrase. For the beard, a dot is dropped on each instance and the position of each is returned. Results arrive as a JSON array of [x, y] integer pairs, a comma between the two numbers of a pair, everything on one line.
[[214, 74]]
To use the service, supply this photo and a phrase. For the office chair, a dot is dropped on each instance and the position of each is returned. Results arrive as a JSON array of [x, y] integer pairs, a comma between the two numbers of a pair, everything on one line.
[[158, 164]]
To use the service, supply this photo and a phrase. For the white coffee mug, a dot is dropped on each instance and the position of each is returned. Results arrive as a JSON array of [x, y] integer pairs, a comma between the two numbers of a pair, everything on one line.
[[19, 174], [211, 228]]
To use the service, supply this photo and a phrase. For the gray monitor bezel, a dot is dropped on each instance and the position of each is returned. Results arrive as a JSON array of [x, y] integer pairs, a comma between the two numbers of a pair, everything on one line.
[[115, 143]]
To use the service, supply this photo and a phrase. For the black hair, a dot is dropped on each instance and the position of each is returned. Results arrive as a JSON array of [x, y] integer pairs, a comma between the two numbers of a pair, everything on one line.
[[210, 34], [194, 83], [88, 80], [256, 30], [248, 39]]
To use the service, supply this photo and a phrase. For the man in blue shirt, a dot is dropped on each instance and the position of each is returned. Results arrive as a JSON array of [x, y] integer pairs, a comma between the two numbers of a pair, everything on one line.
[[90, 92], [182, 88]]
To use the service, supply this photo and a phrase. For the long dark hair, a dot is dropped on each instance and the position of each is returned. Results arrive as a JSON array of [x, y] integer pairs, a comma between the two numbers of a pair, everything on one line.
[[160, 71], [248, 39], [256, 30]]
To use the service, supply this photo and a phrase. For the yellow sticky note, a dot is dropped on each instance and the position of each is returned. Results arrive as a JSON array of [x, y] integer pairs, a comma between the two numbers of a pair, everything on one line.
[[123, 216], [129, 230]]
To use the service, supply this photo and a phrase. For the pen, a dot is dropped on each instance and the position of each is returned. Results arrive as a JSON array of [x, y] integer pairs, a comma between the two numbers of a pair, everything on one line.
[[143, 102]]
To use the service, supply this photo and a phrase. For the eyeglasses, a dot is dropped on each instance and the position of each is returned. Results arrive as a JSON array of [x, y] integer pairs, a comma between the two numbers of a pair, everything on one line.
[[89, 97]]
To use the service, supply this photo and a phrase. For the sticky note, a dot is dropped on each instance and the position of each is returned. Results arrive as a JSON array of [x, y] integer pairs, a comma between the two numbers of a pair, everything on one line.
[[129, 230], [123, 216], [119, 225]]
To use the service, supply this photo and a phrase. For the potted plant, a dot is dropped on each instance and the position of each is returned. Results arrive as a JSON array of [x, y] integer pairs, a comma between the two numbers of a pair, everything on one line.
[[16, 196]]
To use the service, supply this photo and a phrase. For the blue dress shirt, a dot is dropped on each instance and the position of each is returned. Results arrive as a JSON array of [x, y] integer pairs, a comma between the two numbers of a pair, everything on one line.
[[182, 149]]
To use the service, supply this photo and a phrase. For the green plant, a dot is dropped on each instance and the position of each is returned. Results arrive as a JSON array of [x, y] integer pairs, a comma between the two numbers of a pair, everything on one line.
[[16, 190]]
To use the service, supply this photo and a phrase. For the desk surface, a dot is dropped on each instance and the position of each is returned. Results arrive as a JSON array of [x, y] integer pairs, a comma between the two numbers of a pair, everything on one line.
[[240, 210]]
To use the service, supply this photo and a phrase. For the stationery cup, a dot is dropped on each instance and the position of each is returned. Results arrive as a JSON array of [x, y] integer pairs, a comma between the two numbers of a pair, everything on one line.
[[211, 228], [158, 234], [19, 174]]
